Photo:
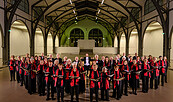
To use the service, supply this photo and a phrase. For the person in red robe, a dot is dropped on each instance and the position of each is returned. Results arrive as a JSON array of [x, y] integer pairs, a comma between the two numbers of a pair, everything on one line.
[[74, 83]]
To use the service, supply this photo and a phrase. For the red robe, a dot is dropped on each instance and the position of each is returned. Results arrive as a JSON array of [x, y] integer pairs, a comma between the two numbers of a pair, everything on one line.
[[82, 76], [47, 70], [68, 66], [92, 84], [161, 63], [146, 67], [122, 69], [106, 82], [56, 78], [72, 80], [12, 63], [136, 66], [116, 76]]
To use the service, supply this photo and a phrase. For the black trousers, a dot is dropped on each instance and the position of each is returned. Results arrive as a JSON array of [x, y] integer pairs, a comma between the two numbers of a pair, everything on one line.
[[103, 93], [41, 85], [76, 90], [50, 83], [60, 90], [87, 68], [125, 83], [26, 81], [21, 79], [18, 76], [134, 84], [29, 84], [12, 75], [81, 86], [138, 85], [151, 80], [156, 82], [166, 75], [162, 79], [145, 80], [92, 91], [117, 92], [67, 86]]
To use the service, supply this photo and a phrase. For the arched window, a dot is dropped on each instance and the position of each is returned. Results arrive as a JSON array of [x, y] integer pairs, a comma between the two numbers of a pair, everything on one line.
[[97, 35], [24, 5], [149, 6], [75, 35]]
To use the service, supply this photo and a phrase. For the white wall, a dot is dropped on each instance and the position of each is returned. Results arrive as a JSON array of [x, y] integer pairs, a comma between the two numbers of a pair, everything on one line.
[[19, 42], [115, 42], [153, 43], [133, 44], [122, 44], [171, 53], [67, 50], [0, 44], [39, 43], [56, 42], [105, 50], [49, 44]]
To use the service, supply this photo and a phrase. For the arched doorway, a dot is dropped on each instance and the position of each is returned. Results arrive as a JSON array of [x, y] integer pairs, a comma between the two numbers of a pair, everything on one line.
[[115, 42], [39, 42], [153, 40], [1, 35], [171, 52], [97, 35], [56, 42], [133, 42], [19, 39], [75, 35], [123, 44], [49, 44]]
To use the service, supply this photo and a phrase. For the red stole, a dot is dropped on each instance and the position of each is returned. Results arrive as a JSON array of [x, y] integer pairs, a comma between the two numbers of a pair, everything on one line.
[[56, 78], [92, 84], [72, 80], [107, 82], [116, 76], [136, 69], [47, 70]]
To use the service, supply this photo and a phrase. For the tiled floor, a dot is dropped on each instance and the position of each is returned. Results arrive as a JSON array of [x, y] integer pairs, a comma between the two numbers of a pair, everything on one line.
[[13, 92]]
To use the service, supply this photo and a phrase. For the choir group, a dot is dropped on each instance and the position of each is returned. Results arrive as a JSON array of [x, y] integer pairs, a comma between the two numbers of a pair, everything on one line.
[[72, 77]]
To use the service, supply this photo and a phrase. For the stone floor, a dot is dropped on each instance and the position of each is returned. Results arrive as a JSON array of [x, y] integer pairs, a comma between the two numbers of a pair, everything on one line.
[[13, 92]]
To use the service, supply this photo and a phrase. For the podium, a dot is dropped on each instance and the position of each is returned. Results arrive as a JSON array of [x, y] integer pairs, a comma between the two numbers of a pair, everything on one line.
[[86, 46]]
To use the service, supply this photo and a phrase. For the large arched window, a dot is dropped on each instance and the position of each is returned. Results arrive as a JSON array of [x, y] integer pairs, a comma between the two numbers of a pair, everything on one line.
[[149, 6], [24, 5], [97, 35], [76, 34]]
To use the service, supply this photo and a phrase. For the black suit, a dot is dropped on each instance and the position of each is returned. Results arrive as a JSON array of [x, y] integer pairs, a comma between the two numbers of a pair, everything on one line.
[[87, 66]]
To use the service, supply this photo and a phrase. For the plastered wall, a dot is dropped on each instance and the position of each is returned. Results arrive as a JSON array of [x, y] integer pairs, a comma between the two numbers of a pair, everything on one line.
[[19, 42]]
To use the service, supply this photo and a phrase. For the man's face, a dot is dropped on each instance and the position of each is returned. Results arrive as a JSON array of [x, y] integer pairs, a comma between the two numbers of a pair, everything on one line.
[[86, 55], [57, 55], [76, 58]]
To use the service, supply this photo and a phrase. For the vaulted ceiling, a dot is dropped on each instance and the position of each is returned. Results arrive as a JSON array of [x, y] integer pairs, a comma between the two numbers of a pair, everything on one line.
[[110, 13]]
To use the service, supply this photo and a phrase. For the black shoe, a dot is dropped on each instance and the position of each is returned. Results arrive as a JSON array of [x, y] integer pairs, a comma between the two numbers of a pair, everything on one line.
[[53, 98], [10, 80], [47, 99], [126, 94], [107, 100], [40, 94], [118, 98], [135, 93]]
